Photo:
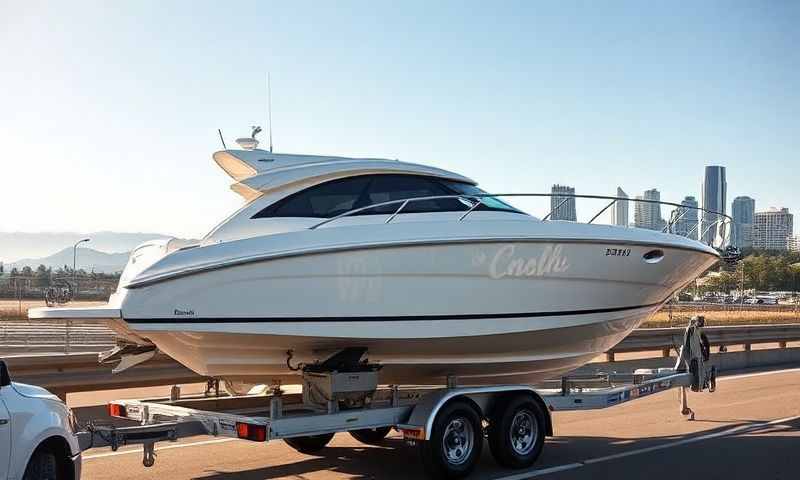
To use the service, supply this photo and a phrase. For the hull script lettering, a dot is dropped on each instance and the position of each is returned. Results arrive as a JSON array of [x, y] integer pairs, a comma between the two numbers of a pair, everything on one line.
[[505, 264]]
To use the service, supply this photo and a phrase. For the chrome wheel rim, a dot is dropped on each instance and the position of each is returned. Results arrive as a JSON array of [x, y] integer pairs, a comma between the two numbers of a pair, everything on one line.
[[457, 441], [523, 432]]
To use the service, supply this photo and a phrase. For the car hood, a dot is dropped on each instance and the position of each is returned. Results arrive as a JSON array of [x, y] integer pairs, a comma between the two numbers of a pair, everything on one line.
[[32, 391]]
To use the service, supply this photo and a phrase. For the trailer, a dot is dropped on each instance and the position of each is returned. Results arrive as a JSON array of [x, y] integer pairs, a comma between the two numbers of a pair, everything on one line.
[[448, 423]]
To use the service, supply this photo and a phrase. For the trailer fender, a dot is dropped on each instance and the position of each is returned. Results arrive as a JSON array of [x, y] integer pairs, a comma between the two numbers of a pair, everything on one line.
[[420, 422]]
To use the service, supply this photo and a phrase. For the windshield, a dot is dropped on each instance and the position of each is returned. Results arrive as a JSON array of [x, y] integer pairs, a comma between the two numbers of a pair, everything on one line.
[[492, 203]]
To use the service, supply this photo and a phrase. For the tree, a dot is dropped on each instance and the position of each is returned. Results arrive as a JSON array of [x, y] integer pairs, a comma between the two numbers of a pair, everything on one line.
[[42, 276]]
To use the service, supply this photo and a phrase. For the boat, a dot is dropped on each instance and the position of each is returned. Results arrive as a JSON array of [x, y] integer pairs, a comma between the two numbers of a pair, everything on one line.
[[415, 266]]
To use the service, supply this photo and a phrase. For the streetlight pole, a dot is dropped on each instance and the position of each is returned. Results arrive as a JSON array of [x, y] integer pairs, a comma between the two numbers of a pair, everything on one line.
[[741, 292], [74, 263]]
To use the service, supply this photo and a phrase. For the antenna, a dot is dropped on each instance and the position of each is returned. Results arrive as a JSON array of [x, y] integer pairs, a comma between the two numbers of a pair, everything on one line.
[[269, 109], [222, 139]]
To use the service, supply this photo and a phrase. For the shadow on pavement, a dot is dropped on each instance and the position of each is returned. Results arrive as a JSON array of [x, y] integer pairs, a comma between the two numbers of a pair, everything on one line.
[[392, 459], [763, 452]]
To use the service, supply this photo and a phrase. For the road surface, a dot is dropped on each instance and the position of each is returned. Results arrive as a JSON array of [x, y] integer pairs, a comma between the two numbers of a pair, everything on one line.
[[749, 428]]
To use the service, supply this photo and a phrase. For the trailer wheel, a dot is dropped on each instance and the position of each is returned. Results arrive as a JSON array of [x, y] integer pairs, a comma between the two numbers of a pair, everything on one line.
[[455, 444], [371, 436], [516, 433], [311, 444], [42, 466]]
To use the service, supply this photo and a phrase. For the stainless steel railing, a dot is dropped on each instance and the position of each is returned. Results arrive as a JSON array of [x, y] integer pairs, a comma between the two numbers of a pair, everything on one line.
[[722, 224]]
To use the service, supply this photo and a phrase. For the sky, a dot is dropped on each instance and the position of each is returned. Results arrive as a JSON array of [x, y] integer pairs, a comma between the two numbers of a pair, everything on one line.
[[109, 111]]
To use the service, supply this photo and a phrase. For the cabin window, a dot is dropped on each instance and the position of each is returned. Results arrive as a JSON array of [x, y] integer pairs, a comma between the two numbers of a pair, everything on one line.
[[326, 200], [386, 188], [339, 196]]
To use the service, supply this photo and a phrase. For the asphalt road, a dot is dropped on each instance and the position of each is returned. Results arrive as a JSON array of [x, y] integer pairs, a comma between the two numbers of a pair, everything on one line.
[[749, 428]]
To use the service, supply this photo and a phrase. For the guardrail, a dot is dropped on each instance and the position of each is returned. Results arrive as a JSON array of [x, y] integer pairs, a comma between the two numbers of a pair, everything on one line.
[[80, 372], [666, 339], [22, 336]]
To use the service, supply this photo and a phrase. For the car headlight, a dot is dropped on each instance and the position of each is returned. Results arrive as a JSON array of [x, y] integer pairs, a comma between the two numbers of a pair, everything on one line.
[[73, 421]]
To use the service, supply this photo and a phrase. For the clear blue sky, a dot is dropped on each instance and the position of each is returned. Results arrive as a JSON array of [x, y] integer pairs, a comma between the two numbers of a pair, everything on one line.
[[110, 110]]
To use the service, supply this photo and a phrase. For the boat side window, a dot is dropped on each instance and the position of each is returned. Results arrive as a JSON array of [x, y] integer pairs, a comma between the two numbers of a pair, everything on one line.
[[339, 196], [387, 188], [325, 200]]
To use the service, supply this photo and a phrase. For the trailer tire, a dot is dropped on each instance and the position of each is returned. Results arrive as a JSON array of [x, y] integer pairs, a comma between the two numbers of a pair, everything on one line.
[[517, 431], [455, 443], [310, 444], [43, 465], [371, 436]]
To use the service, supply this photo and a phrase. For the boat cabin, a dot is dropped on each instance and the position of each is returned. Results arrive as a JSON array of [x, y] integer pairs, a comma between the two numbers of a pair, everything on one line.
[[291, 192]]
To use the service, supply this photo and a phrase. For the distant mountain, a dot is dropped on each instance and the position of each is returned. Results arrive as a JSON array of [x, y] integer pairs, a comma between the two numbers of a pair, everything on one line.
[[23, 245], [87, 259]]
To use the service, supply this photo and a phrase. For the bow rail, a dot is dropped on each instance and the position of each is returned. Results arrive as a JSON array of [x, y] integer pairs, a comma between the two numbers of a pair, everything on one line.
[[722, 223]]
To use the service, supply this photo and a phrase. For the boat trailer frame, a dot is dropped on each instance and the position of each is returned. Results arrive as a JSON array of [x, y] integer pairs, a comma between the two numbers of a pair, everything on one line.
[[411, 411]]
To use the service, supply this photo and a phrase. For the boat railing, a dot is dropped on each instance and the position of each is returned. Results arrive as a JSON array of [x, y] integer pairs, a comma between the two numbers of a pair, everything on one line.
[[720, 222]]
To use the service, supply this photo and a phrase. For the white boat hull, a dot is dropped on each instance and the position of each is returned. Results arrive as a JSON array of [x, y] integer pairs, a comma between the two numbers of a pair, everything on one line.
[[487, 312], [527, 356]]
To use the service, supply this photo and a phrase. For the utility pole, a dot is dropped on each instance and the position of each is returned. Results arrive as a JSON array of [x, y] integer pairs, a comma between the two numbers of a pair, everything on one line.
[[74, 264]]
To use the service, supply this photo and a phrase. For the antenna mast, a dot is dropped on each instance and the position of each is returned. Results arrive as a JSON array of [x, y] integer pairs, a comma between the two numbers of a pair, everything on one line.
[[224, 147], [269, 109]]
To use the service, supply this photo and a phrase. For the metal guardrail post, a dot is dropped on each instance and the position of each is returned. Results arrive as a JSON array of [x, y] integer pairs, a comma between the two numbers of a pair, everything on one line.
[[66, 336]]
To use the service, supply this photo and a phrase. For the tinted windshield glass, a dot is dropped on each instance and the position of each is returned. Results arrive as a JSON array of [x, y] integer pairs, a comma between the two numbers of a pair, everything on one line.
[[488, 203]]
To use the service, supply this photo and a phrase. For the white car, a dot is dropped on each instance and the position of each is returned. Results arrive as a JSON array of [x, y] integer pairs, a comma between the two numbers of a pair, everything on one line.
[[37, 434]]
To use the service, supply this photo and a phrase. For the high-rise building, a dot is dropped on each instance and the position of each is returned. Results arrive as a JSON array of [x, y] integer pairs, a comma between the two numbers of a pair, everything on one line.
[[742, 210], [686, 223], [772, 230], [562, 204], [646, 214], [794, 243], [715, 188], [619, 215]]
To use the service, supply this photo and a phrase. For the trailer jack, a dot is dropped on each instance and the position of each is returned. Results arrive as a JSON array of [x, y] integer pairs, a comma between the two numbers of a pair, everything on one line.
[[694, 356], [149, 458]]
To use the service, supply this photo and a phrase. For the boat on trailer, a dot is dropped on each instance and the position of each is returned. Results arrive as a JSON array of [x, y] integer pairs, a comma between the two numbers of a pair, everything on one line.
[[414, 266]]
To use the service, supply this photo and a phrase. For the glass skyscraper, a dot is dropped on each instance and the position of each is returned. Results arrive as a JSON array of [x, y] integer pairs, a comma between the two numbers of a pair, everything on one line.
[[743, 210], [686, 223], [715, 188], [563, 207], [619, 215]]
